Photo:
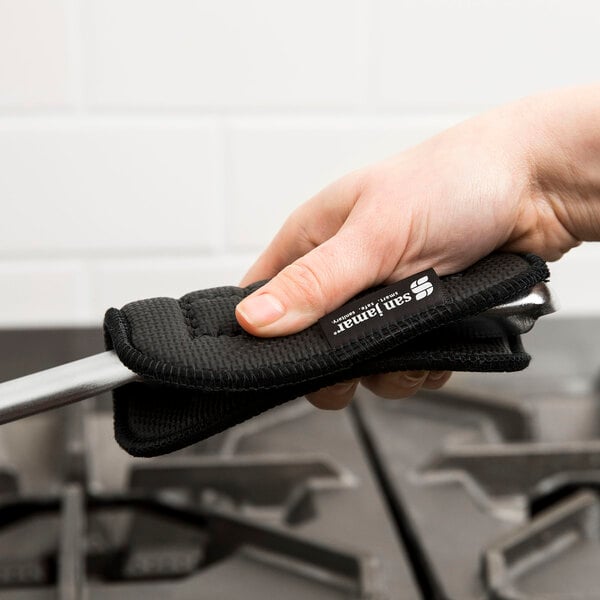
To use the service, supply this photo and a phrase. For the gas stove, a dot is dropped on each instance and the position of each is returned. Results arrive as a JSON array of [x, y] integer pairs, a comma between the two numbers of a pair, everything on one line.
[[484, 490]]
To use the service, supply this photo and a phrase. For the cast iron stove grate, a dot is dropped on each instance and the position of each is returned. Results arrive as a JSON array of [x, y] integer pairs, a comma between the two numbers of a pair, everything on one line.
[[488, 490], [496, 480], [282, 505]]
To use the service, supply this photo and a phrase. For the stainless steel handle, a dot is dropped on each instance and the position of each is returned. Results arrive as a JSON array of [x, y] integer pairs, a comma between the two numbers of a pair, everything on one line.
[[62, 385], [94, 375], [520, 315]]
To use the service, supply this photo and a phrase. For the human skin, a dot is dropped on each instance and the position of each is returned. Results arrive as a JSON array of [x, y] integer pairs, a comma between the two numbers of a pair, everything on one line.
[[524, 177]]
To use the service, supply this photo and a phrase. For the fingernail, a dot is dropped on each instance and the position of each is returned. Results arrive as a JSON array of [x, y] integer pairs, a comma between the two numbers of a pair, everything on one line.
[[436, 375], [414, 376], [342, 388], [261, 310]]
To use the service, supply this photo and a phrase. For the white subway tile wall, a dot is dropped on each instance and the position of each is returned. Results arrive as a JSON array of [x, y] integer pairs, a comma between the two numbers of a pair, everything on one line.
[[152, 147], [217, 54], [103, 185], [34, 55], [444, 54]]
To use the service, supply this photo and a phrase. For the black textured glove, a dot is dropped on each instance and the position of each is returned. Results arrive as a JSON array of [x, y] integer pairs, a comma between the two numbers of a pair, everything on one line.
[[203, 373]]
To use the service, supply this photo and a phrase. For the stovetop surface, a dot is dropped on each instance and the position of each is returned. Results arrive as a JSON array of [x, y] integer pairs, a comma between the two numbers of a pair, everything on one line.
[[484, 490]]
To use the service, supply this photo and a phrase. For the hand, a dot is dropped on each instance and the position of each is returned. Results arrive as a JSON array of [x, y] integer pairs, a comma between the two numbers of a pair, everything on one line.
[[444, 204]]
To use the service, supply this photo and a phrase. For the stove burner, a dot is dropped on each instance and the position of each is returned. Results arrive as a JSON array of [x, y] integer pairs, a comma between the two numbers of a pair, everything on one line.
[[493, 487], [180, 515], [269, 506], [137, 538]]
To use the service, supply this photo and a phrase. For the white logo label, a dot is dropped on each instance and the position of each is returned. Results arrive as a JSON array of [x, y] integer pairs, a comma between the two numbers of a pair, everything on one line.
[[421, 287], [382, 309]]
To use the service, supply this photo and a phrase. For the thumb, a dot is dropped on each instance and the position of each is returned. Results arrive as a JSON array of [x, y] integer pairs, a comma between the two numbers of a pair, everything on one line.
[[311, 286]]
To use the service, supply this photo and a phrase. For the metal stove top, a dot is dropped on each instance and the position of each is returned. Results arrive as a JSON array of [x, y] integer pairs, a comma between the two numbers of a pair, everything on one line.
[[485, 490]]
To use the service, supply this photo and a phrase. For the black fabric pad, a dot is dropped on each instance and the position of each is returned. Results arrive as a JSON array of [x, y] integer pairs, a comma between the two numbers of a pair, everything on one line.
[[202, 373]]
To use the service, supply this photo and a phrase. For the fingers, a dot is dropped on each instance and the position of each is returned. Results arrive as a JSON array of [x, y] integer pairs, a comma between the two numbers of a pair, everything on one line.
[[312, 285], [334, 397], [387, 385], [403, 384], [395, 385], [436, 379]]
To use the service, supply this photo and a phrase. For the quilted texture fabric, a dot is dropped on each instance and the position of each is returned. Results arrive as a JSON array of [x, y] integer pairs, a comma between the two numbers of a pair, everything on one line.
[[203, 373]]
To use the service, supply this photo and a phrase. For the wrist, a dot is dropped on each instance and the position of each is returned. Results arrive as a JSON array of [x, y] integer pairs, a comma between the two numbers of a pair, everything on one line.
[[562, 134]]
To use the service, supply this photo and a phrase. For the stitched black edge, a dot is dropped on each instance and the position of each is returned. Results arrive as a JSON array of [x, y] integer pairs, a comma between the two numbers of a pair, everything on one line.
[[514, 359], [517, 359], [451, 361], [117, 329]]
